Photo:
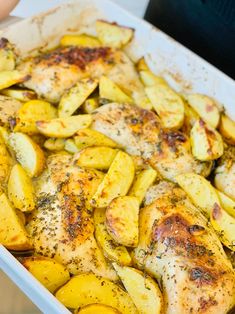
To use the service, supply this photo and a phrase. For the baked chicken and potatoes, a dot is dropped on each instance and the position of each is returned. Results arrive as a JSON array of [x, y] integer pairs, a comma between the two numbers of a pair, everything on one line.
[[117, 193]]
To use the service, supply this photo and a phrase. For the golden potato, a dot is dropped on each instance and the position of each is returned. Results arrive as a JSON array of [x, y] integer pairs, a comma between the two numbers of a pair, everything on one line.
[[207, 143], [224, 224], [199, 190], [75, 97], [112, 34], [90, 105], [70, 146], [28, 153], [31, 112], [64, 127], [111, 249], [20, 94], [12, 232], [205, 107], [168, 105], [116, 182], [7, 55], [54, 144], [122, 220], [100, 157], [190, 117], [143, 290], [87, 289], [109, 90], [5, 163], [82, 40], [50, 273], [142, 182], [97, 309], [227, 203], [9, 78], [227, 129], [9, 108], [88, 137], [21, 216], [20, 189]]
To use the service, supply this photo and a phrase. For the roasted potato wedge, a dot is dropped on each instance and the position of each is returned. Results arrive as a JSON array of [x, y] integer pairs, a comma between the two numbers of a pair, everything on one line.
[[88, 137], [142, 182], [5, 164], [20, 94], [9, 78], [7, 55], [98, 309], [54, 144], [227, 203], [224, 224], [50, 273], [31, 112], [12, 232], [28, 153], [75, 97], [9, 108], [143, 290], [168, 105], [207, 143], [111, 249], [70, 146], [20, 189], [112, 34], [205, 107], [116, 182], [99, 157], [190, 117], [109, 90], [199, 190], [123, 211], [90, 105], [82, 40], [87, 289], [64, 127], [227, 129]]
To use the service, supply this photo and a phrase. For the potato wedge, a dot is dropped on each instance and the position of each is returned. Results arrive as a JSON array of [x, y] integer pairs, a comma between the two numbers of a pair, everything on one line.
[[50, 273], [5, 164], [90, 105], [54, 144], [112, 34], [7, 55], [20, 189], [9, 78], [168, 105], [12, 232], [143, 290], [70, 146], [142, 182], [20, 94], [87, 289], [190, 117], [31, 112], [97, 309], [227, 203], [99, 157], [75, 97], [227, 129], [116, 182], [109, 90], [9, 108], [224, 224], [111, 249], [88, 137], [64, 127], [199, 190], [207, 143], [205, 107], [123, 211], [82, 40], [28, 153]]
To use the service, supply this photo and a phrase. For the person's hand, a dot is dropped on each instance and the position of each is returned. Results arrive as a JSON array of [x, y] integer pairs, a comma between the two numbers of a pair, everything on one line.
[[6, 7]]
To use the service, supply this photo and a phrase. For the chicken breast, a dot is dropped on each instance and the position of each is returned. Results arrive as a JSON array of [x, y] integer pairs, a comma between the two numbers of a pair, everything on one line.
[[62, 225], [225, 173], [140, 133], [180, 249]]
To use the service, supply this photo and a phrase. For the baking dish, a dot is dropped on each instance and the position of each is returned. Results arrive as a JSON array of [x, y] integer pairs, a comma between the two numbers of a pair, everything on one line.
[[181, 68]]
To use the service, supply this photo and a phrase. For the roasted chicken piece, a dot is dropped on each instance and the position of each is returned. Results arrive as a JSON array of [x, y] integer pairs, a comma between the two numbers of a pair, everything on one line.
[[225, 173], [140, 133], [55, 72], [62, 225], [180, 249]]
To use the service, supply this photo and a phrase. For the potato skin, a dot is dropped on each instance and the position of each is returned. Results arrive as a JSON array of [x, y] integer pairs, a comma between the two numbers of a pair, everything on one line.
[[97, 308]]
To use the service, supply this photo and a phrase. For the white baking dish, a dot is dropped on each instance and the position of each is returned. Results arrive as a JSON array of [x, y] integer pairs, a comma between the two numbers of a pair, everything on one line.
[[184, 71]]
